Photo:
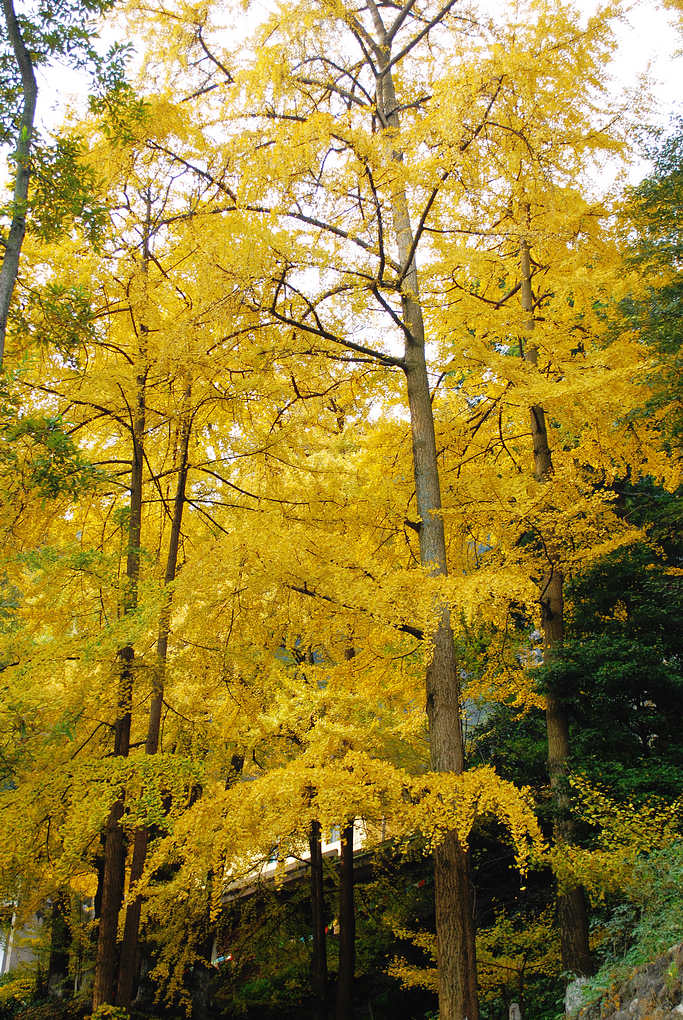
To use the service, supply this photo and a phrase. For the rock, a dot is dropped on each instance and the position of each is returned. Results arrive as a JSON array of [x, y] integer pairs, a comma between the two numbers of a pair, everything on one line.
[[649, 993], [573, 996]]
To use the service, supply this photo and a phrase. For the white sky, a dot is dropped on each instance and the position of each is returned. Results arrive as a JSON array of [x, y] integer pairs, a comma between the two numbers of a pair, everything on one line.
[[648, 44]]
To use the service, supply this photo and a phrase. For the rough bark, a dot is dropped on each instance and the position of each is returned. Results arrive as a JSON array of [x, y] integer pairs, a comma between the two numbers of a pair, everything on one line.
[[347, 928], [128, 962], [319, 956], [452, 876], [452, 889], [572, 912], [15, 237]]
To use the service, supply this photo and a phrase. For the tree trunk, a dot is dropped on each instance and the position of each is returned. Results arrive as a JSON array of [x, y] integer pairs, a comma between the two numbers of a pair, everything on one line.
[[572, 912], [107, 958], [60, 944], [15, 238], [319, 956], [347, 928], [128, 964], [455, 935], [106, 961]]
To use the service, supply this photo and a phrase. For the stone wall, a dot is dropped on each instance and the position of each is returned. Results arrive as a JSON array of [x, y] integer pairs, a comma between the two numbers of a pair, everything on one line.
[[652, 992]]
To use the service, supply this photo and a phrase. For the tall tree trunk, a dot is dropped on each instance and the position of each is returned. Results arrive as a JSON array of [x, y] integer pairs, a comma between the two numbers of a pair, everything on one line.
[[106, 961], [347, 928], [455, 933], [113, 880], [128, 963], [319, 956], [572, 913], [15, 238]]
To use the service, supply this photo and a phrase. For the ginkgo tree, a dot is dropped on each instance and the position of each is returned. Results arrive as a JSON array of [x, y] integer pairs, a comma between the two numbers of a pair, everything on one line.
[[355, 142], [535, 280], [125, 392], [337, 160]]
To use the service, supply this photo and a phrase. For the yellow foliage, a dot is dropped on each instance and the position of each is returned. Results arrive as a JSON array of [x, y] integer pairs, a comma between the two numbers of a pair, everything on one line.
[[625, 832]]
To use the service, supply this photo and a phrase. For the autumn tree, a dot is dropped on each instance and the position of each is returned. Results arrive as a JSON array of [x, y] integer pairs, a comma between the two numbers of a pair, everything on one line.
[[105, 388], [536, 276], [344, 168]]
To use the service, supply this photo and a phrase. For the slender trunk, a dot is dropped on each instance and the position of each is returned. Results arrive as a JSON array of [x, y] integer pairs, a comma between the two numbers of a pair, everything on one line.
[[106, 962], [572, 913], [319, 957], [129, 947], [347, 928], [113, 879], [455, 935], [15, 238]]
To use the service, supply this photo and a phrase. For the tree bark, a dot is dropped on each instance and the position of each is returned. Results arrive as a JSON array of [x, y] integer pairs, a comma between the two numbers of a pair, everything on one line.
[[572, 912], [319, 956], [347, 928], [455, 934], [10, 262], [128, 963]]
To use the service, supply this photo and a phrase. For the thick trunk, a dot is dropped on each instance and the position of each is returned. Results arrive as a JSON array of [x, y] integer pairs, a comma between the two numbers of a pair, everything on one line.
[[455, 934], [454, 917], [15, 238], [128, 964], [347, 928], [107, 958], [319, 957], [572, 913]]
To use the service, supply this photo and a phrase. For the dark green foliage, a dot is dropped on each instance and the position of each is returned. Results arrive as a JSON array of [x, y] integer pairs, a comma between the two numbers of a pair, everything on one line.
[[57, 315], [64, 192], [657, 512], [39, 454], [620, 672], [647, 923], [657, 205]]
